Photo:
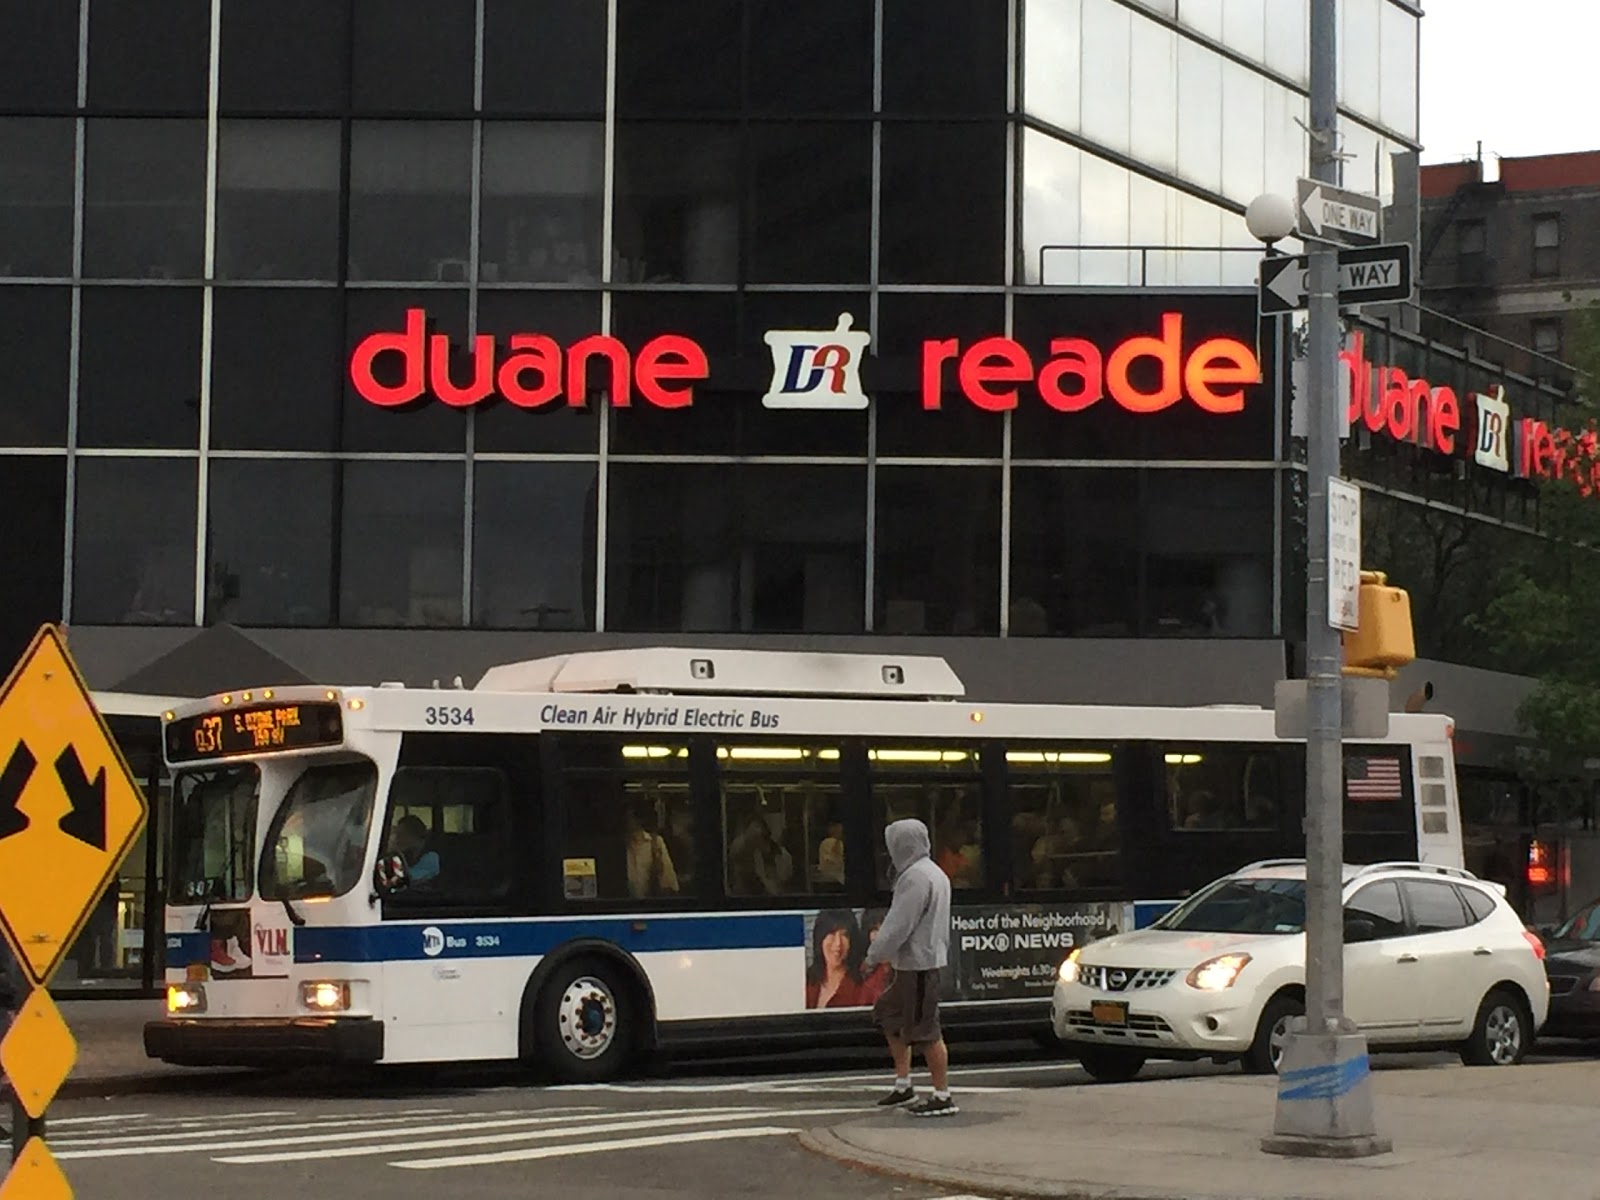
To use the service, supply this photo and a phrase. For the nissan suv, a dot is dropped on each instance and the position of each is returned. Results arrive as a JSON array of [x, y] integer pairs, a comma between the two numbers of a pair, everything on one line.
[[1434, 957]]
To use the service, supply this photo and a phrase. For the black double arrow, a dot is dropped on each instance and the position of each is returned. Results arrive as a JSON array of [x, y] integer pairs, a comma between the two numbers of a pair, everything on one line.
[[87, 820]]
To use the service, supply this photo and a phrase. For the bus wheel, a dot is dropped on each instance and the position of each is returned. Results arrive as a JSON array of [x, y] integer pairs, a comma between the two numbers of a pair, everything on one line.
[[586, 1018]]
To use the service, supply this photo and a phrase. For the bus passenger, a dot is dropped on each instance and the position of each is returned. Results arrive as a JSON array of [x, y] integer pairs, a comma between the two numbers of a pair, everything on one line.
[[757, 864], [830, 855], [650, 870], [410, 842]]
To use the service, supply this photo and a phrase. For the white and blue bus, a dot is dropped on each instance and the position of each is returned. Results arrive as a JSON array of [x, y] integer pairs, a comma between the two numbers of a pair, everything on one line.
[[587, 857]]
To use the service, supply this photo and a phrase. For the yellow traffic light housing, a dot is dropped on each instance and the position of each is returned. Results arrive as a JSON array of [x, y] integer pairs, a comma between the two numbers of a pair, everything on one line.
[[1385, 641]]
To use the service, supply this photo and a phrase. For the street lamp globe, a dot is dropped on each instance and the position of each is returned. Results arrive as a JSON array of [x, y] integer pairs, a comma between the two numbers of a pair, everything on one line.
[[1270, 217]]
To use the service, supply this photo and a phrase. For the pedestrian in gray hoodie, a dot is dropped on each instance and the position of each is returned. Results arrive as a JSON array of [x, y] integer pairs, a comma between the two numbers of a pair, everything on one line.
[[914, 940]]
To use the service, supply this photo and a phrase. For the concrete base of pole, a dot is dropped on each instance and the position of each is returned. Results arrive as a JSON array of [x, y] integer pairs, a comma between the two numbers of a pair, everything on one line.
[[1325, 1099]]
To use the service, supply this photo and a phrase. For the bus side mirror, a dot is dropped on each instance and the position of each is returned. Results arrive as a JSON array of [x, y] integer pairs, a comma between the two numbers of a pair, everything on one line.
[[390, 876]]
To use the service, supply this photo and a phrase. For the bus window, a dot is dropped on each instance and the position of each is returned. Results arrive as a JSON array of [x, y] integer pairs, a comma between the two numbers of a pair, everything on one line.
[[214, 834], [782, 819], [452, 825], [1064, 830], [318, 839], [940, 786], [1221, 787], [629, 818], [1376, 780]]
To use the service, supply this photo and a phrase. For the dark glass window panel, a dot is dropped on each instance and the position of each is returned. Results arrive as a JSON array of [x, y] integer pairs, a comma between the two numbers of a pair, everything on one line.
[[144, 199], [410, 200], [678, 58], [278, 200], [39, 56], [759, 549], [944, 56], [283, 56], [412, 55], [35, 366], [811, 203], [940, 225], [1074, 553], [533, 545], [1208, 553], [677, 203], [1379, 905], [545, 58], [557, 428], [276, 369], [542, 190], [832, 38], [1106, 429], [957, 429], [36, 196], [1435, 907], [133, 541], [139, 368], [400, 543], [149, 57], [33, 495], [938, 550], [729, 415], [1064, 829], [425, 423], [269, 542]]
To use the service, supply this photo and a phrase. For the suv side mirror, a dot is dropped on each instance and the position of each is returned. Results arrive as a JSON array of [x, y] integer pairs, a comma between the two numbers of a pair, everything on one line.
[[390, 876], [1359, 929]]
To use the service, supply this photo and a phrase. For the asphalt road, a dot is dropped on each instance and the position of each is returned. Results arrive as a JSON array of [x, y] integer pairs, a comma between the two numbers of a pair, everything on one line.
[[701, 1129]]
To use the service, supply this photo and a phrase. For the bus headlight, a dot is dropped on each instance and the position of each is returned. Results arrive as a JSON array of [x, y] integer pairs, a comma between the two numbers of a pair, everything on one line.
[[185, 998], [325, 997], [1069, 966]]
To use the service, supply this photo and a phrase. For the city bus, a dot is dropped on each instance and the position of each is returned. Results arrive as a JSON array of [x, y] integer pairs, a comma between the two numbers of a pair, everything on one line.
[[586, 858]]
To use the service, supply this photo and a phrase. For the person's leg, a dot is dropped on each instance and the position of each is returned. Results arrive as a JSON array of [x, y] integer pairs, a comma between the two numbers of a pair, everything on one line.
[[900, 1051], [937, 1055]]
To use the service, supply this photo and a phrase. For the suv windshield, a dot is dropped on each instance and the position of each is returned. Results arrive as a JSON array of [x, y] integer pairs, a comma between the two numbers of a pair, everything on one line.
[[1242, 906], [318, 840], [213, 834]]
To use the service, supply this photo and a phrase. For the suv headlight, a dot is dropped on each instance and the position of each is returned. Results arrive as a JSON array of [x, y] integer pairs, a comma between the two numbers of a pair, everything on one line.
[[1069, 966], [1218, 973]]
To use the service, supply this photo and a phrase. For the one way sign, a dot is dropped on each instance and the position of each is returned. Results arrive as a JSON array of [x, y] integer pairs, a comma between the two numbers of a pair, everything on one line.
[[1367, 275]]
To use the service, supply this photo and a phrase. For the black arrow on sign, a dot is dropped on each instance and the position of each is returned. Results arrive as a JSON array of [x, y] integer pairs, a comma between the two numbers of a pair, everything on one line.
[[87, 820], [12, 780]]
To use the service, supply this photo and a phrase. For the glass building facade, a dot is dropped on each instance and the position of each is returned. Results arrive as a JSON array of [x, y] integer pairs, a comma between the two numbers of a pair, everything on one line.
[[208, 206]]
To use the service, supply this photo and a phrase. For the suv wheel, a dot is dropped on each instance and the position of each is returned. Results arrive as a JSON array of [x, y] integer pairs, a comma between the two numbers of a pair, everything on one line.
[[1272, 1031], [1109, 1064], [1501, 1035]]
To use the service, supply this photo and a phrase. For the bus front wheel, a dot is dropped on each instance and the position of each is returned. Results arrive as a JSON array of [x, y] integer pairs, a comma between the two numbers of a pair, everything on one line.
[[586, 1021]]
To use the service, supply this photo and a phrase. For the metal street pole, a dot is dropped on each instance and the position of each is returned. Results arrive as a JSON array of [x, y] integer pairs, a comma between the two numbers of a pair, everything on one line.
[[1324, 1086]]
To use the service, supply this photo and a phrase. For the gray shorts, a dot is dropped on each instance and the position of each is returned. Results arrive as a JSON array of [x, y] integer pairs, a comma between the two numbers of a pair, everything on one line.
[[909, 1008]]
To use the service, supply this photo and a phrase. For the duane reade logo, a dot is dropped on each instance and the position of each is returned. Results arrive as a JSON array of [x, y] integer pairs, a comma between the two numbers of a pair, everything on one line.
[[1494, 431], [817, 368], [433, 941]]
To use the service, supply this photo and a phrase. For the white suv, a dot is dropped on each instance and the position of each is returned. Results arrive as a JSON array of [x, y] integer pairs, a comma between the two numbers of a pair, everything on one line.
[[1434, 956]]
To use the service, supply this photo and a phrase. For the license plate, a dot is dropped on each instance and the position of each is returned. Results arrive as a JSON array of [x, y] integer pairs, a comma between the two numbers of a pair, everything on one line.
[[1109, 1012]]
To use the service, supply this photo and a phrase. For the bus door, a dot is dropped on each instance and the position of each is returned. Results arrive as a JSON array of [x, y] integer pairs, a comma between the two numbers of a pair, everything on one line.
[[463, 812]]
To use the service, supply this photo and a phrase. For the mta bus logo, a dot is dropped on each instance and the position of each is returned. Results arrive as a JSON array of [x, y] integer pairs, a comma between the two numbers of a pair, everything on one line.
[[817, 368], [433, 941]]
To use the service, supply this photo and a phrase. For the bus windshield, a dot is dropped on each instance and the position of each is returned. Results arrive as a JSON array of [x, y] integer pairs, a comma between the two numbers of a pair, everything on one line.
[[1242, 906], [318, 838], [213, 834]]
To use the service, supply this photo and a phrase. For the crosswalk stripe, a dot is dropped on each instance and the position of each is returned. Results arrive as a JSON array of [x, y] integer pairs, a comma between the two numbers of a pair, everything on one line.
[[144, 1138], [681, 1118], [574, 1149], [210, 1142], [58, 1121]]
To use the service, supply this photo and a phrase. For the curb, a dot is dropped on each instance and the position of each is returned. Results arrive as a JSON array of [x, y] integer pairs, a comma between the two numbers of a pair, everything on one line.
[[106, 1086], [828, 1144]]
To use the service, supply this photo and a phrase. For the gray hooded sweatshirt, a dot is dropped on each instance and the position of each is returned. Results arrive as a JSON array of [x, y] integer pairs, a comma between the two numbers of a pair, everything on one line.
[[915, 935]]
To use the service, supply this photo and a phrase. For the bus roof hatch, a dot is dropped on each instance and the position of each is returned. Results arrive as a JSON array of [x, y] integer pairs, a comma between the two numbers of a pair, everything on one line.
[[671, 670]]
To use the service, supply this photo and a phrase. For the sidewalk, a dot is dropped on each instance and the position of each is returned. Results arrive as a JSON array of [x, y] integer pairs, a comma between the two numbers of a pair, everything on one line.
[[1459, 1134], [111, 1057]]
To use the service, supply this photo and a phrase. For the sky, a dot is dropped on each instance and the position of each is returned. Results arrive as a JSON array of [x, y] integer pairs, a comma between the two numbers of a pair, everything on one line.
[[1522, 76]]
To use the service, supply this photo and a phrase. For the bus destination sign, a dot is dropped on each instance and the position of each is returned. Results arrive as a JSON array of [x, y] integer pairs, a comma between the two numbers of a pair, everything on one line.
[[254, 729]]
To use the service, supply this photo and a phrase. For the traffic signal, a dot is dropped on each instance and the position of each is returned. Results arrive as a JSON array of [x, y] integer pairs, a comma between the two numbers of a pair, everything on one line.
[[1384, 642]]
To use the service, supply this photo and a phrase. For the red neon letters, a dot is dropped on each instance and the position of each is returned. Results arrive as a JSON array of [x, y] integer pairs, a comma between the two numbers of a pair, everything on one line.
[[1077, 375], [534, 374], [1408, 410]]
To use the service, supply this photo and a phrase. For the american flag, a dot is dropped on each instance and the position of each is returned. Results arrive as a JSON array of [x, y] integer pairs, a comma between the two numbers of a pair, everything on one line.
[[1372, 778]]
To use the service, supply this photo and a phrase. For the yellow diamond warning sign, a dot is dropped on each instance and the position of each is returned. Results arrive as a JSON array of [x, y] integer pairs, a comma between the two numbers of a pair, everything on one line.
[[38, 1052], [69, 807], [35, 1175]]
